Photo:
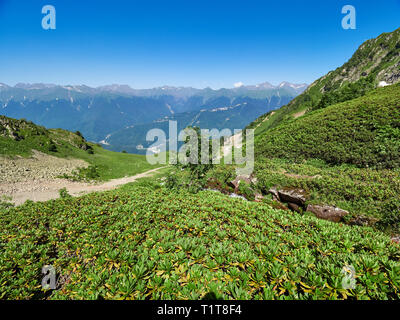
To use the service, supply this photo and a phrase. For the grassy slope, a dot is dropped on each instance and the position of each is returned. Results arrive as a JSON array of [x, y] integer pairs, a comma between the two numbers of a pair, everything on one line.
[[112, 165], [364, 132], [146, 242], [69, 145]]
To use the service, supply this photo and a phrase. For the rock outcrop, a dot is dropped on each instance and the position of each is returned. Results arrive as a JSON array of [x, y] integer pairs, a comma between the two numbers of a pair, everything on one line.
[[295, 199]]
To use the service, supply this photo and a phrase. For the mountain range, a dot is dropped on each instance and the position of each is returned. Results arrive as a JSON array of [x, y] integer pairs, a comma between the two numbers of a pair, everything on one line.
[[119, 116], [183, 92]]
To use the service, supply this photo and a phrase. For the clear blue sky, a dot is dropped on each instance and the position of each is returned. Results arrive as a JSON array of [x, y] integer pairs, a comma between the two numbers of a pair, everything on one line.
[[183, 43]]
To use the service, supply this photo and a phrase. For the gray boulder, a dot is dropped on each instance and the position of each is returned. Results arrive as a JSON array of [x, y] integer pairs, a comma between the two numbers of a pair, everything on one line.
[[296, 196]]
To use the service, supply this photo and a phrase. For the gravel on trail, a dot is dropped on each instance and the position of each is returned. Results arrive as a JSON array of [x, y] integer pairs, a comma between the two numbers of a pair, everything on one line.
[[36, 178]]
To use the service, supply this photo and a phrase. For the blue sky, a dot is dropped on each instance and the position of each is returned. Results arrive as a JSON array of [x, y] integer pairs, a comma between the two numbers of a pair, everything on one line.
[[183, 43]]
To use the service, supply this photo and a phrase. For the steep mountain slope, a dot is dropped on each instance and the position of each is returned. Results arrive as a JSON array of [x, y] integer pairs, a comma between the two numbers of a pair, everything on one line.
[[375, 63], [364, 132], [345, 155], [339, 141]]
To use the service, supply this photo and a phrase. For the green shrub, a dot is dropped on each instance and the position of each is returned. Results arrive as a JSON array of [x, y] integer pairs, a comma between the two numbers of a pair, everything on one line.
[[90, 173], [52, 146], [5, 203], [390, 216], [197, 169], [64, 193], [222, 173], [172, 181], [246, 191], [183, 179]]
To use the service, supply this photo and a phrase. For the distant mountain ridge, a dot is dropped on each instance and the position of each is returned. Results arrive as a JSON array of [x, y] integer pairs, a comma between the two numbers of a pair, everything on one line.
[[189, 91], [164, 90]]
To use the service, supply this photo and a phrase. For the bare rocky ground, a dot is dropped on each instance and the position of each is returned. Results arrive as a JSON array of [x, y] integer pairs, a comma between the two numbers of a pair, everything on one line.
[[40, 166], [36, 179]]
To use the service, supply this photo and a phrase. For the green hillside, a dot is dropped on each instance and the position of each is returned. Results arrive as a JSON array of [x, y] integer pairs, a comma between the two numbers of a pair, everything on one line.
[[146, 242], [375, 61], [20, 137], [364, 132]]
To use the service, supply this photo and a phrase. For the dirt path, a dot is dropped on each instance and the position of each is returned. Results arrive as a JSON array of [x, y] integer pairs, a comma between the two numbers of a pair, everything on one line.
[[265, 119], [50, 189], [231, 142], [299, 114]]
